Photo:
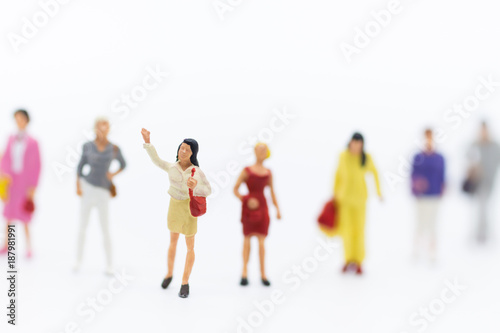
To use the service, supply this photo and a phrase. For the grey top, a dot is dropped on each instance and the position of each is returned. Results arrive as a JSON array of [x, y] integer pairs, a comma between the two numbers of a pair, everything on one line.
[[99, 163], [486, 155]]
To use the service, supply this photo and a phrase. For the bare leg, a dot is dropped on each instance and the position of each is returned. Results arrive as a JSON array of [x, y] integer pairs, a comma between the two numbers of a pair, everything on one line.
[[172, 249], [262, 255], [28, 237], [189, 260], [246, 256]]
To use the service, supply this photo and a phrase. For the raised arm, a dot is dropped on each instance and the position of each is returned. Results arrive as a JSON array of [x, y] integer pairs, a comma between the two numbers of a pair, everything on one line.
[[150, 149]]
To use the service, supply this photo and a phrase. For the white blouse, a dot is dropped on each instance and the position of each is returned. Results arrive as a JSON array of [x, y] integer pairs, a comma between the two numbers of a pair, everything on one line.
[[178, 178], [18, 151]]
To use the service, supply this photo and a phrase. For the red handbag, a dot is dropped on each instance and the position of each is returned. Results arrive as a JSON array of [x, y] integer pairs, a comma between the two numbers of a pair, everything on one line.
[[329, 216], [29, 206], [197, 205]]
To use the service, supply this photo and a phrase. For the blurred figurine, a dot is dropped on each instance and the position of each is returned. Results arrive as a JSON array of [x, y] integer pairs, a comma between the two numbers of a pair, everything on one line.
[[96, 188], [427, 184], [350, 195], [180, 220], [20, 169], [255, 214], [484, 156]]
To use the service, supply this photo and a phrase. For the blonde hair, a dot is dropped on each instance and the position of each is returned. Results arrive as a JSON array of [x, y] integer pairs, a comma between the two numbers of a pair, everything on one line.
[[265, 145], [100, 120]]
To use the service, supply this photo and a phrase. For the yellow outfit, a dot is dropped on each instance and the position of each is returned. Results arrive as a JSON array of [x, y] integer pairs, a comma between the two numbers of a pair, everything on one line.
[[351, 194], [180, 219]]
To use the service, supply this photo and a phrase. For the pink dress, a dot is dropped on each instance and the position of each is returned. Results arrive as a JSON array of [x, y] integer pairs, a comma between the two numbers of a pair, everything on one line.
[[21, 181]]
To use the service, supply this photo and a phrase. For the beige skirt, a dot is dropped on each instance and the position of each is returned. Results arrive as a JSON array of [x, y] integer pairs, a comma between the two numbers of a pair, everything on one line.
[[180, 219]]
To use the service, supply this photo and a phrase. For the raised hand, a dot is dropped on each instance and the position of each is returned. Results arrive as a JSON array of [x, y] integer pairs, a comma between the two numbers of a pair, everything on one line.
[[146, 135]]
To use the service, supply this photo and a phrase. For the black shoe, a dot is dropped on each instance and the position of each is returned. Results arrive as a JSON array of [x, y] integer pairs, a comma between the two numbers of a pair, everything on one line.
[[244, 281], [266, 283], [166, 283], [184, 293]]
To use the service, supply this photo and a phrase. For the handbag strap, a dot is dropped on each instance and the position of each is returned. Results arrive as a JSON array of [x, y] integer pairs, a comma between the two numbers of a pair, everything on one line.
[[190, 190]]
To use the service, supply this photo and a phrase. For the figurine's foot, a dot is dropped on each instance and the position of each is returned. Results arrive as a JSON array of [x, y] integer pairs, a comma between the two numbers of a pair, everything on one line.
[[266, 282], [244, 281], [349, 266], [166, 282], [359, 270], [3, 250], [184, 293]]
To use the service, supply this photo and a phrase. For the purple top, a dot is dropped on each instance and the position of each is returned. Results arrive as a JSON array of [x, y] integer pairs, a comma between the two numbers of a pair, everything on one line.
[[428, 172]]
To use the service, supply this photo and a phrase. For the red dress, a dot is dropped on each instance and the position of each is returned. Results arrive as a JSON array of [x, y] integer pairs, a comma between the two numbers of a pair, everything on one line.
[[255, 222]]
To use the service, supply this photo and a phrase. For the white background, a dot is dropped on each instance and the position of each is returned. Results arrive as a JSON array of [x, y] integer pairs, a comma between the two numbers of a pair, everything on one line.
[[226, 80]]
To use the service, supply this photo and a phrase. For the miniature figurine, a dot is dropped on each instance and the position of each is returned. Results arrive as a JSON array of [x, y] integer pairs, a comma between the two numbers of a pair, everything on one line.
[[255, 215], [350, 195], [20, 167], [428, 184], [96, 188], [180, 220]]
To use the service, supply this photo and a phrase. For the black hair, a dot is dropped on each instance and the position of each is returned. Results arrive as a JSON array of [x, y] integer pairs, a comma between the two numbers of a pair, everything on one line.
[[24, 113], [194, 149], [359, 137]]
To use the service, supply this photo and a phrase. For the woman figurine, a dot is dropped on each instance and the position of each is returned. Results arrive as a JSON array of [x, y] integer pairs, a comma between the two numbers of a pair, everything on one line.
[[255, 215], [96, 187], [21, 165], [428, 185], [180, 220], [484, 155], [350, 194]]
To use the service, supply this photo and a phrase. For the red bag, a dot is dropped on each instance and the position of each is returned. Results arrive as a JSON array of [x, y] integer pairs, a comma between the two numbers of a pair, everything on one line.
[[197, 205], [29, 206], [329, 216]]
